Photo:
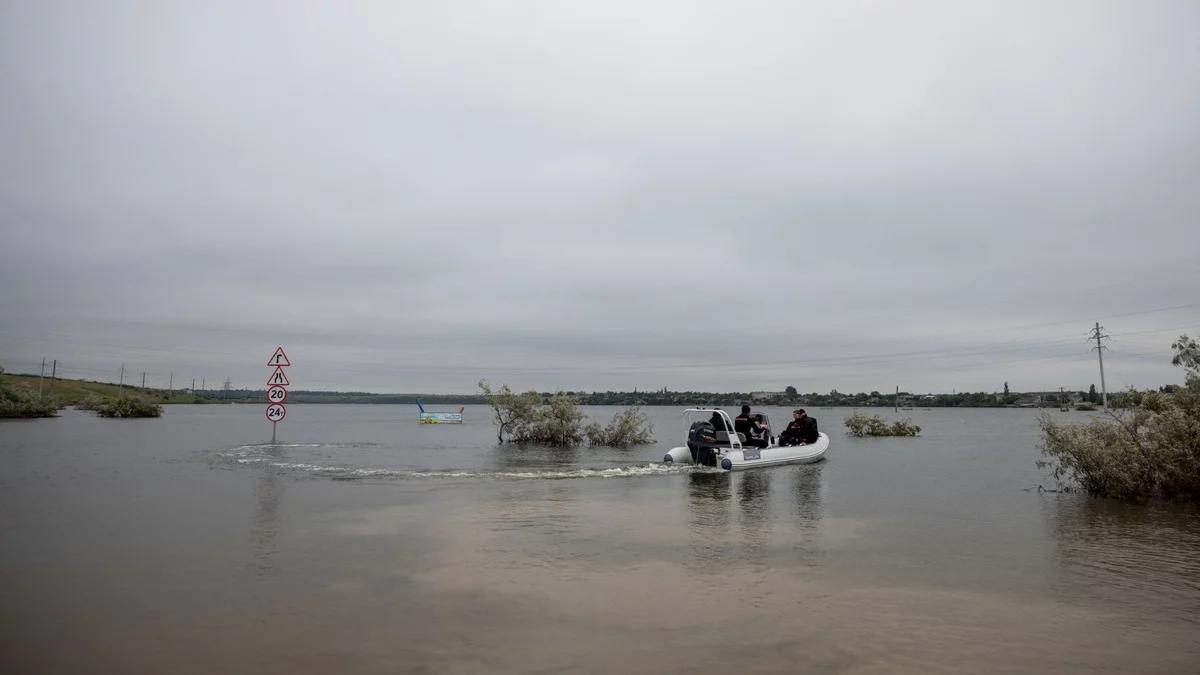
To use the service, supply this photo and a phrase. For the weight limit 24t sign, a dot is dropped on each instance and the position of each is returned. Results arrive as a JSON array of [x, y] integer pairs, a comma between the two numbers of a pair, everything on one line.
[[277, 385]]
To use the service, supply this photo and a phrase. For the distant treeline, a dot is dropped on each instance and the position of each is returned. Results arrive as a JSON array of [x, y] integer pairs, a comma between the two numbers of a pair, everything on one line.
[[699, 398], [862, 399]]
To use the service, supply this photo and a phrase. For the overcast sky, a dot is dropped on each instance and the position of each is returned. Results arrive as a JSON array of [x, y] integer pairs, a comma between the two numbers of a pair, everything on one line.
[[605, 195]]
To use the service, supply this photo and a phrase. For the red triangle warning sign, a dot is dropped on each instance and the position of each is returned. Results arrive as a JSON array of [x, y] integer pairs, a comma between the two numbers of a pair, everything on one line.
[[279, 358], [278, 377]]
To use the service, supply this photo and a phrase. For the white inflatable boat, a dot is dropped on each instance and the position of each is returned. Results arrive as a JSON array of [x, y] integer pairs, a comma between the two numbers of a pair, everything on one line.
[[730, 450]]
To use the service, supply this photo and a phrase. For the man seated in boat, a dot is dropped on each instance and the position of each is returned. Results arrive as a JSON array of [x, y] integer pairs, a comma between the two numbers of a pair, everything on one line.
[[764, 430], [802, 430], [751, 428]]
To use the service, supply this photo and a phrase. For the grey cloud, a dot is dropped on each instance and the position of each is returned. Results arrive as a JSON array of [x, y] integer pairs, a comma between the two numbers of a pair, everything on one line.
[[412, 196]]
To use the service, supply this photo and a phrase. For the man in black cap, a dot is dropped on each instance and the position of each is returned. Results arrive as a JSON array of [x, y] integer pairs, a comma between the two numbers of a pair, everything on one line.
[[800, 431], [750, 428]]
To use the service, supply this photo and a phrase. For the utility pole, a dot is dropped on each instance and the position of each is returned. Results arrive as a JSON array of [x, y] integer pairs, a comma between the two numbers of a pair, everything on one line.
[[53, 374], [41, 376], [143, 379], [171, 383], [121, 384], [193, 385], [1098, 335], [204, 384], [896, 400]]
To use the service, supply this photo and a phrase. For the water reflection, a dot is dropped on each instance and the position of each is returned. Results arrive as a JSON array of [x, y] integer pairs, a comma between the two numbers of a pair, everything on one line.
[[709, 496], [806, 492], [807, 487], [705, 488], [1133, 555], [754, 497], [513, 457], [754, 532], [268, 492], [743, 519]]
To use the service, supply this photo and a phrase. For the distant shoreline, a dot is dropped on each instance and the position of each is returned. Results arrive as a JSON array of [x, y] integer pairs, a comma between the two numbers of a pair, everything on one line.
[[71, 391]]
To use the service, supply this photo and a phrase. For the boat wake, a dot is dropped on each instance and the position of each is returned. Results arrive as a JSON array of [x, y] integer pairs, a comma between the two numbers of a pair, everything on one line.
[[269, 457]]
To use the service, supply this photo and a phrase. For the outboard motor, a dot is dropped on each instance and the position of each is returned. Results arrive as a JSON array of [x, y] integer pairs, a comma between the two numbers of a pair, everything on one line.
[[702, 442]]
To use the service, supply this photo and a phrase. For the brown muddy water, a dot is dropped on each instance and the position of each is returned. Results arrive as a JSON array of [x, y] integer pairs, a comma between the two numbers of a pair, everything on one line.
[[366, 543]]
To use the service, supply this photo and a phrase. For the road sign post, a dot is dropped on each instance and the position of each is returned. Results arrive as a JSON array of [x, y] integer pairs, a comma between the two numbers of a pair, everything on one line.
[[277, 385]]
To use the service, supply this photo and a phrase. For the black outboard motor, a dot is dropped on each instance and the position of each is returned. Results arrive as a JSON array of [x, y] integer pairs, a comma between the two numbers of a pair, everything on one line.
[[702, 442]]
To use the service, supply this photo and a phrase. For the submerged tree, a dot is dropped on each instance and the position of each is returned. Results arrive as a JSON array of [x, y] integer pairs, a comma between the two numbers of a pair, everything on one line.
[[513, 411]]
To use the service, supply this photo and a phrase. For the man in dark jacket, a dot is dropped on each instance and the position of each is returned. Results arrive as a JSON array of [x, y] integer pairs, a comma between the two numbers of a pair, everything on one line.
[[800, 431], [750, 427]]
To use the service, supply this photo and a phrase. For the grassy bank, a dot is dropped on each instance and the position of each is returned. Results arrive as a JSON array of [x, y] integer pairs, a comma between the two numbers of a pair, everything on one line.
[[74, 392]]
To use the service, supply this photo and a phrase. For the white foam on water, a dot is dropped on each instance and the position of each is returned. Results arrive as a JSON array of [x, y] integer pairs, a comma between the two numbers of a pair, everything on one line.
[[257, 455], [434, 474]]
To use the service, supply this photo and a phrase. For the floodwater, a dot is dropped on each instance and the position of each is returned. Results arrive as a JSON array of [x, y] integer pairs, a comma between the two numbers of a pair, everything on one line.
[[366, 543]]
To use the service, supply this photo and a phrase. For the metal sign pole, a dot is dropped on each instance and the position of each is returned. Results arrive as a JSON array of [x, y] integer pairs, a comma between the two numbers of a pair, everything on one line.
[[273, 424]]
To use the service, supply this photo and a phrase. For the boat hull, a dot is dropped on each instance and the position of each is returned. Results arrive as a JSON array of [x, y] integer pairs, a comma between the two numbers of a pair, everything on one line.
[[737, 460]]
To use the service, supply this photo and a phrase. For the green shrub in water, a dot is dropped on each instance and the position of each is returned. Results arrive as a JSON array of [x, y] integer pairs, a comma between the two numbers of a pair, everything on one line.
[[125, 407], [1150, 452], [860, 425], [627, 428], [526, 418]]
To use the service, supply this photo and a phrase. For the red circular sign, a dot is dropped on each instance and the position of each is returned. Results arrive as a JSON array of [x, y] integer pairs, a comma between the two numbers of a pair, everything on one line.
[[276, 394], [276, 412]]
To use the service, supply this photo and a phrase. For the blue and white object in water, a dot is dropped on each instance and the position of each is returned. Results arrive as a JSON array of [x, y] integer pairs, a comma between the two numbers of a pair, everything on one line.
[[439, 417], [728, 452]]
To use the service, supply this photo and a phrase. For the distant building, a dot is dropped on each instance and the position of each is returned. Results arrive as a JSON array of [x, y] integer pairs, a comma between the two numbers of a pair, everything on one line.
[[761, 395]]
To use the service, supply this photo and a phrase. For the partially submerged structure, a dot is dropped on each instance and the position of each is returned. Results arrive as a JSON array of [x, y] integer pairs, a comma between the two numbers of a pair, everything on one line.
[[426, 417]]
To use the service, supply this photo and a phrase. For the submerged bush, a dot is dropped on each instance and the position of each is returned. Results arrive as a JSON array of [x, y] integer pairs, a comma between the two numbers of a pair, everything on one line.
[[1152, 451], [18, 402], [559, 422], [14, 405], [90, 403], [627, 428], [526, 418], [127, 406], [860, 425]]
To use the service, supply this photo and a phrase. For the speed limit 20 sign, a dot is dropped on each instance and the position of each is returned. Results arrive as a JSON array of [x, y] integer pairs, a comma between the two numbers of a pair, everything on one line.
[[276, 394]]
